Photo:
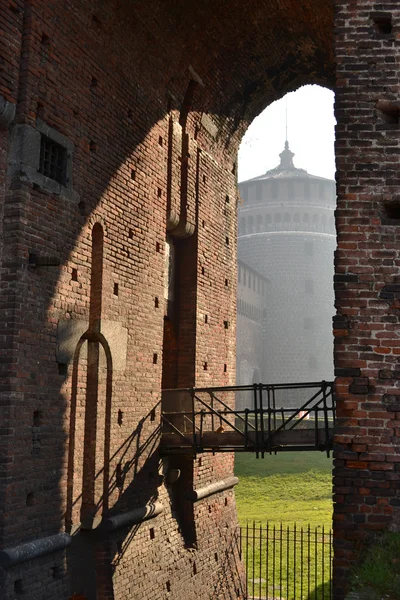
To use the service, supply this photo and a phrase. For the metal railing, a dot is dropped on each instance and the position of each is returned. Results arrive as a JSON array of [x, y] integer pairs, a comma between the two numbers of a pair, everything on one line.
[[258, 418], [286, 563]]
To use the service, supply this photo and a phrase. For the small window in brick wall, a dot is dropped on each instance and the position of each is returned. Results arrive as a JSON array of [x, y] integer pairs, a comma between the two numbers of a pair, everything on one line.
[[53, 160], [46, 156]]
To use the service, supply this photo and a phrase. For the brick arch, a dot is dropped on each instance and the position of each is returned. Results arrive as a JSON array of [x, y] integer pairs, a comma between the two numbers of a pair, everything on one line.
[[154, 98]]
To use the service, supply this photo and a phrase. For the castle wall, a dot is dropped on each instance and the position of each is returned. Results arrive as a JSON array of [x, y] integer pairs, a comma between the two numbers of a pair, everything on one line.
[[251, 303], [366, 475], [83, 297]]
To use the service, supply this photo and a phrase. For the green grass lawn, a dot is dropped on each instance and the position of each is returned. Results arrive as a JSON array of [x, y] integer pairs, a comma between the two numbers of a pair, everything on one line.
[[288, 487]]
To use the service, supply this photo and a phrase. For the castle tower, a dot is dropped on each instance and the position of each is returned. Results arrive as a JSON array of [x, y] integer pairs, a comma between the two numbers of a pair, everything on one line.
[[287, 235]]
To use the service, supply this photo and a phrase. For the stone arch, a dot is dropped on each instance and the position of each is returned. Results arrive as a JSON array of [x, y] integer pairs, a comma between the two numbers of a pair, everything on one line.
[[91, 493], [77, 495]]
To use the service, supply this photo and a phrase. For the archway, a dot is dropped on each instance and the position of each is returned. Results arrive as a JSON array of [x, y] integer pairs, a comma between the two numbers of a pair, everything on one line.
[[146, 134]]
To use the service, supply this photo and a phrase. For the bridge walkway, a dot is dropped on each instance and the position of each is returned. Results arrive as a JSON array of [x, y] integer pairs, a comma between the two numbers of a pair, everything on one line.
[[260, 418]]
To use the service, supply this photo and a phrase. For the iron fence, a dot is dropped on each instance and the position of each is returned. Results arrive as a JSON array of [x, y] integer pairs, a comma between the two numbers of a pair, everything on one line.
[[287, 563]]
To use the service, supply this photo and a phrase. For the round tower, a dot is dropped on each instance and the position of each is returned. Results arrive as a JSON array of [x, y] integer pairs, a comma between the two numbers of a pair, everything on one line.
[[287, 234]]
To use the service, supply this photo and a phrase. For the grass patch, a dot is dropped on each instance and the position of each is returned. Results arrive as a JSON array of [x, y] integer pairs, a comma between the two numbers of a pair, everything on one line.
[[380, 569], [287, 488]]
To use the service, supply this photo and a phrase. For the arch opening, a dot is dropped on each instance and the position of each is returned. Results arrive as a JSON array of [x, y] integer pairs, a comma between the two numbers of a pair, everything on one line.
[[294, 248]]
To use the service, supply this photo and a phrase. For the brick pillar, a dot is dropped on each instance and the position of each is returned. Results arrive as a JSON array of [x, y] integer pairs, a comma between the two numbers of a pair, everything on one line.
[[367, 346]]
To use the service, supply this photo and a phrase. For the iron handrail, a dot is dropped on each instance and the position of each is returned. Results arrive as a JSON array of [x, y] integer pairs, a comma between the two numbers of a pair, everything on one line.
[[264, 402], [249, 387], [226, 406]]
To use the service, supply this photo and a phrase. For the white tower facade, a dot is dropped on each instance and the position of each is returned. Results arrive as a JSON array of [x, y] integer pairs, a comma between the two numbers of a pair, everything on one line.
[[287, 235]]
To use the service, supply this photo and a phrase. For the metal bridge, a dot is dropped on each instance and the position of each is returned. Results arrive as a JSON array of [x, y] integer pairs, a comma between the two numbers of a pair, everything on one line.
[[256, 418]]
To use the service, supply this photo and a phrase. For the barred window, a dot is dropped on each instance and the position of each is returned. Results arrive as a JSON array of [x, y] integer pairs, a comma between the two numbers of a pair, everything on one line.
[[53, 160]]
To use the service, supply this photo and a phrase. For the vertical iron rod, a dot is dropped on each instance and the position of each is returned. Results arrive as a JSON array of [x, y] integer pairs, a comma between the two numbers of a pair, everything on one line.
[[246, 427], [247, 557], [194, 420], [274, 406], [273, 562], [294, 561], [269, 418], [280, 560], [301, 561], [256, 418], [254, 553], [201, 428], [261, 420], [316, 562], [287, 562], [267, 559], [323, 562], [260, 550], [326, 422], [309, 559], [330, 564]]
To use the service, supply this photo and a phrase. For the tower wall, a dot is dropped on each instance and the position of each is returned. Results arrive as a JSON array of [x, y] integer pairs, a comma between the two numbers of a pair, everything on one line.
[[287, 233]]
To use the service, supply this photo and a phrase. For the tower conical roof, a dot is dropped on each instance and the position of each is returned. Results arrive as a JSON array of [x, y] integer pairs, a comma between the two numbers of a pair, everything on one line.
[[286, 169]]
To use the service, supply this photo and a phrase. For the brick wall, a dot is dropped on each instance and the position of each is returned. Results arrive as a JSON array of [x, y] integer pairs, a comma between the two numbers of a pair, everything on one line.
[[367, 261], [83, 310]]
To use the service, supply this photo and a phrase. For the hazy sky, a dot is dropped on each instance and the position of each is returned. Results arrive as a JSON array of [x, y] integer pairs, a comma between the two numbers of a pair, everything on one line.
[[310, 133]]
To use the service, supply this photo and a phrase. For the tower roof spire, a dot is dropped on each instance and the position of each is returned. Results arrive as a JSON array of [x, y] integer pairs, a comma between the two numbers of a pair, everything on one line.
[[286, 118], [286, 158]]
